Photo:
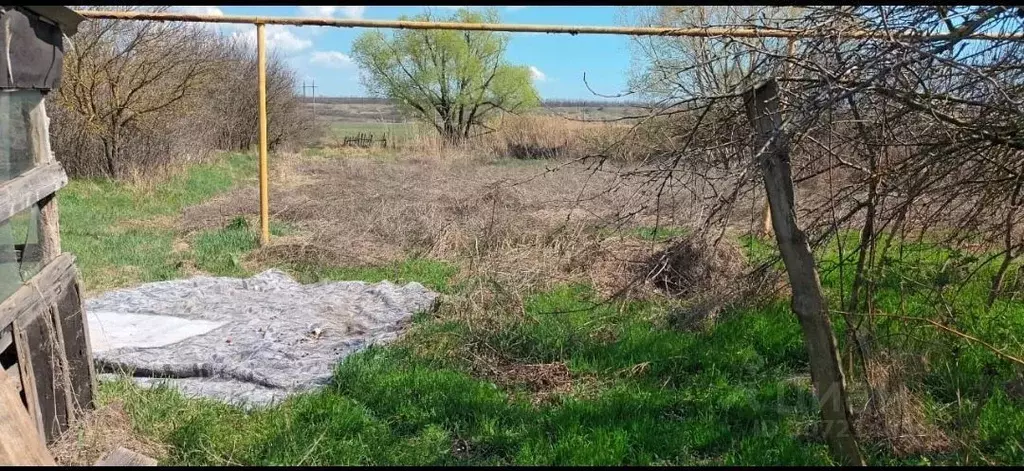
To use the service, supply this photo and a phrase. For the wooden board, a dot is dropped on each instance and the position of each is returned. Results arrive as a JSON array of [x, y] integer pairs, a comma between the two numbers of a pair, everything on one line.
[[52, 346], [19, 443], [24, 191], [125, 457], [51, 278], [75, 331], [28, 381], [46, 370]]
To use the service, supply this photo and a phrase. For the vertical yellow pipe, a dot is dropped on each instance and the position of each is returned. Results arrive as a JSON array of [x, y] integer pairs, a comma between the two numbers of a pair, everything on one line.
[[261, 51]]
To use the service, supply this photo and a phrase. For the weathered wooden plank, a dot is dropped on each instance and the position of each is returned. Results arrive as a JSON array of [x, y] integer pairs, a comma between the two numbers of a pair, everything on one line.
[[51, 278], [6, 338], [49, 229], [125, 457], [60, 357], [28, 382], [74, 330], [19, 444], [49, 223], [46, 369], [87, 349], [22, 192], [14, 377]]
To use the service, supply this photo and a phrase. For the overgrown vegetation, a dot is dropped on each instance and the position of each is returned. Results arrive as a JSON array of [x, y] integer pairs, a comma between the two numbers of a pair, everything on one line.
[[139, 97], [517, 369], [574, 258]]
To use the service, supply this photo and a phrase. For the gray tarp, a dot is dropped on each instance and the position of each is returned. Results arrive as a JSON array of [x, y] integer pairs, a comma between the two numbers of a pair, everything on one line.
[[249, 341]]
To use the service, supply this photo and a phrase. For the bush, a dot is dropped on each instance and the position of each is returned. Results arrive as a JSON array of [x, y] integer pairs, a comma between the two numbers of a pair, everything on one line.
[[140, 96]]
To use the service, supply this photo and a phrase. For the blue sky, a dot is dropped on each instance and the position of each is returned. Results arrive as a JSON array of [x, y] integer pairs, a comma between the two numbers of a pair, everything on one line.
[[559, 61]]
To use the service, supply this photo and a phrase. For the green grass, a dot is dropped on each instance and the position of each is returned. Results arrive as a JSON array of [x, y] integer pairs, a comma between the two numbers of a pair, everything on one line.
[[642, 393], [219, 252], [115, 231], [711, 399]]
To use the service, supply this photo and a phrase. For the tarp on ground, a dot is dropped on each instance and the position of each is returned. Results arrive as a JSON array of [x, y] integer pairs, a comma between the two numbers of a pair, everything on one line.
[[246, 341]]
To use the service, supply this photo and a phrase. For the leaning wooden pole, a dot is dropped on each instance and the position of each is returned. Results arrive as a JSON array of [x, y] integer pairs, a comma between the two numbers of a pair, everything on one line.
[[261, 51], [808, 299]]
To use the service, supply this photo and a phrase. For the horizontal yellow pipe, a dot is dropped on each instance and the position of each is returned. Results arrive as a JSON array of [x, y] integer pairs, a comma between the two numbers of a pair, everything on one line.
[[520, 28]]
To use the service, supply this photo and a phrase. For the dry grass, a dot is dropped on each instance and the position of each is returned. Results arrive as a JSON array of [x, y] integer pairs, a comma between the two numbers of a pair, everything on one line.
[[516, 222], [894, 414], [98, 433], [547, 137], [709, 275], [525, 137]]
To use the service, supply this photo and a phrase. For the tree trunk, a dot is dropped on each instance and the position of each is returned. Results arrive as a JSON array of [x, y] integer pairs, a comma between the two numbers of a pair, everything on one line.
[[450, 133], [110, 153], [808, 302]]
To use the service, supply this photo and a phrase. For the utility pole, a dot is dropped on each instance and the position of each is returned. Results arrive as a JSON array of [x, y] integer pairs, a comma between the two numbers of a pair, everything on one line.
[[312, 88]]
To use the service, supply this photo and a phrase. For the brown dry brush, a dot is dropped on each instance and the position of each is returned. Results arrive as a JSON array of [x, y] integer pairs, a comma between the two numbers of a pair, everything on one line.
[[138, 96], [898, 141]]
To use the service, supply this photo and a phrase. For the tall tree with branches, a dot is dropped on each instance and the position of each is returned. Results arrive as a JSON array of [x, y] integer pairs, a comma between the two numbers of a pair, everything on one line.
[[453, 80]]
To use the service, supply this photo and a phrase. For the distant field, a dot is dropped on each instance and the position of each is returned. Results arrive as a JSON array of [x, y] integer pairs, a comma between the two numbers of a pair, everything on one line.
[[351, 114], [395, 132]]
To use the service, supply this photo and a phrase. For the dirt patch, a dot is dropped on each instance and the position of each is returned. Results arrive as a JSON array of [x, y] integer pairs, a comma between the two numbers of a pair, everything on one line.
[[221, 210], [526, 223], [520, 224], [299, 252], [1015, 387], [461, 448], [100, 432]]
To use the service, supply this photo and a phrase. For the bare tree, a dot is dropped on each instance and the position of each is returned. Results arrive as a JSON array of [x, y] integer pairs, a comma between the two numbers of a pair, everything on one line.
[[898, 139], [120, 73], [140, 95]]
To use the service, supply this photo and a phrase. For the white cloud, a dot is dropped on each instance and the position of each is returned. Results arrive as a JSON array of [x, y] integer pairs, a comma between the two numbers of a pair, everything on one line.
[[332, 11], [332, 59], [200, 10], [209, 11], [537, 75], [278, 37], [477, 6]]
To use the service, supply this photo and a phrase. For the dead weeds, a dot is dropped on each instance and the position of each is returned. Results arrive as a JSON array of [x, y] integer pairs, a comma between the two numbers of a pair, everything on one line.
[[519, 224], [894, 414], [544, 381], [101, 431]]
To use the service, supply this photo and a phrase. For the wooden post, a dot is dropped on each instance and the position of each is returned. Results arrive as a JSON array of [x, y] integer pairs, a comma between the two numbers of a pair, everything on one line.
[[49, 221], [808, 301], [261, 52]]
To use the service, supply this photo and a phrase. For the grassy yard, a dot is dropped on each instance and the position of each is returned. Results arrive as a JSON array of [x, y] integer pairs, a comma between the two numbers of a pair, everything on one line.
[[546, 376], [124, 234]]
